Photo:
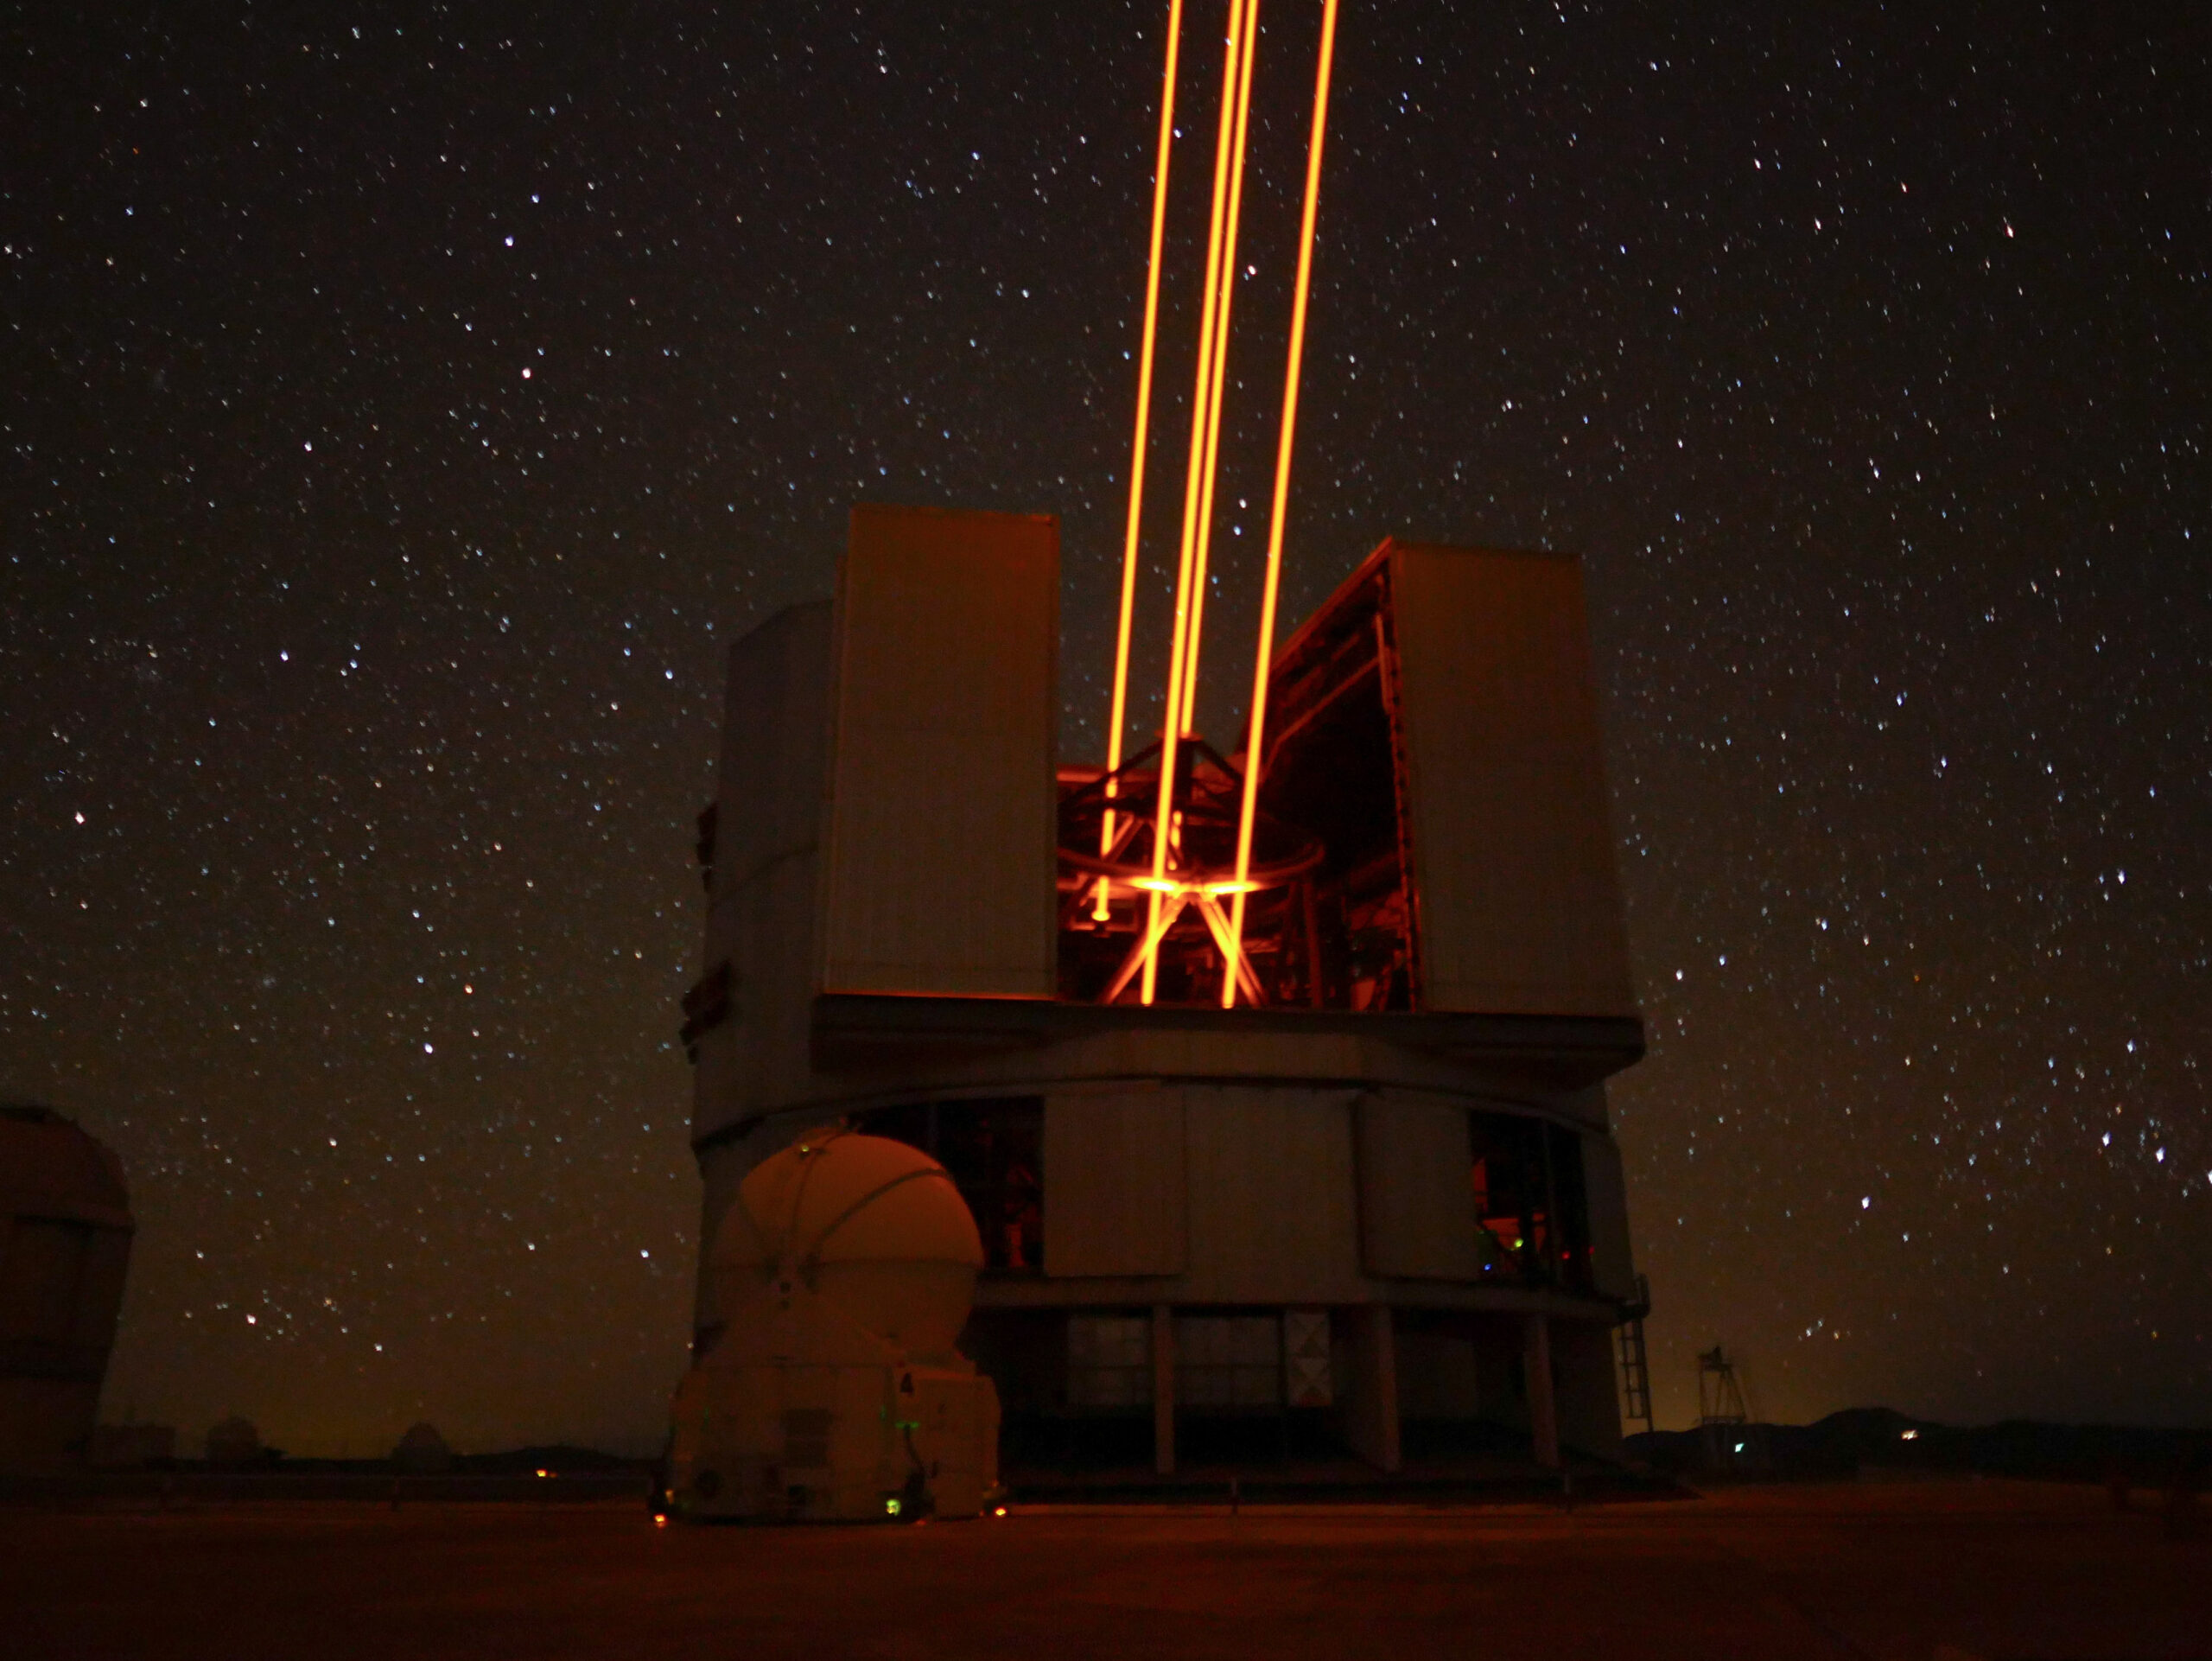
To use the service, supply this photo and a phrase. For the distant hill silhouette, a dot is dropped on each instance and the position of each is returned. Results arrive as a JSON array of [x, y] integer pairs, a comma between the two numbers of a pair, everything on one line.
[[559, 1458], [556, 1459], [1879, 1440]]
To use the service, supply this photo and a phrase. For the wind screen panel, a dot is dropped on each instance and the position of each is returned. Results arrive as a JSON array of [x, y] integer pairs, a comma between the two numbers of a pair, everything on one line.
[[1115, 1179], [1520, 909], [1416, 1211], [749, 1015], [941, 864], [775, 731], [1275, 1188]]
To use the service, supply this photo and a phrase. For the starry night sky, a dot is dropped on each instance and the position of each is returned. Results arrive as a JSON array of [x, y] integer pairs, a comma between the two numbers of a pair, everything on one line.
[[404, 410]]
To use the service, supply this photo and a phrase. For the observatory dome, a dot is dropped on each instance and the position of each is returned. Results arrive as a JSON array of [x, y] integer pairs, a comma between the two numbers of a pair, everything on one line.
[[65, 1245], [423, 1449], [873, 1227], [53, 1169]]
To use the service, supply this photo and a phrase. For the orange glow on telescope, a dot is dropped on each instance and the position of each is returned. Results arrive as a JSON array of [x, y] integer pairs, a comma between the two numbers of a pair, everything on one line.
[[1255, 754]]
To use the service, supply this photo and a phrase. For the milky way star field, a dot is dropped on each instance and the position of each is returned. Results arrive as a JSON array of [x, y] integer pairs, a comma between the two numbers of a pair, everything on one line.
[[405, 410]]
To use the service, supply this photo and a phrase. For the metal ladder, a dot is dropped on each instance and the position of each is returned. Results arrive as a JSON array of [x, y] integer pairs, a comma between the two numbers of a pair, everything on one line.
[[1635, 1367]]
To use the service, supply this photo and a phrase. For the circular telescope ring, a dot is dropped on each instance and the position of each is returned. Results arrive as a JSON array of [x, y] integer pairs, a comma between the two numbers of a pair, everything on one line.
[[1275, 875]]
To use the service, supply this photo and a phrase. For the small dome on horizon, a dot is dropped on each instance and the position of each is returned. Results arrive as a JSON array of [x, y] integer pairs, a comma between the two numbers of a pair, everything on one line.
[[423, 1449]]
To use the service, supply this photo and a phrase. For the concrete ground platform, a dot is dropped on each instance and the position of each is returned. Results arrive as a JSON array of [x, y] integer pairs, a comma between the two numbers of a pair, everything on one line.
[[1903, 1570], [1497, 1480]]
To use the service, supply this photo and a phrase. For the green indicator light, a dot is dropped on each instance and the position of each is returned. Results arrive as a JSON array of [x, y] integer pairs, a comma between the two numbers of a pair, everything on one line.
[[891, 1507]]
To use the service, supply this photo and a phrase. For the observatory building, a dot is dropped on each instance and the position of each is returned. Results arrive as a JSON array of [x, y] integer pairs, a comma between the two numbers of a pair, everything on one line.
[[65, 1245], [1364, 1200]]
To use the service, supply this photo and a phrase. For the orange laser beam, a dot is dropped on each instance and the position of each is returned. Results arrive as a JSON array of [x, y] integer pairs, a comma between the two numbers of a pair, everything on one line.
[[1200, 561], [1171, 727], [1210, 910], [1285, 445], [1155, 932], [1144, 423]]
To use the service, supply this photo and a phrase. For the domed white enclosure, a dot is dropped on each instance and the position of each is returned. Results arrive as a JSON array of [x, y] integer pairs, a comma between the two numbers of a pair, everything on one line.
[[828, 1387], [873, 1227]]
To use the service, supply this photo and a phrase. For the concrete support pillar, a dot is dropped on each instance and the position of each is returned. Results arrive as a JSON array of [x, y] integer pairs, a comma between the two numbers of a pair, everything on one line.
[[1163, 1389], [1589, 1387], [1543, 1408], [1370, 1402]]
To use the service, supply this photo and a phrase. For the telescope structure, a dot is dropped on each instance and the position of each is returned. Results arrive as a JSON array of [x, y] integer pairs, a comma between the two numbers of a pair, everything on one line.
[[1373, 1206], [1272, 1078]]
